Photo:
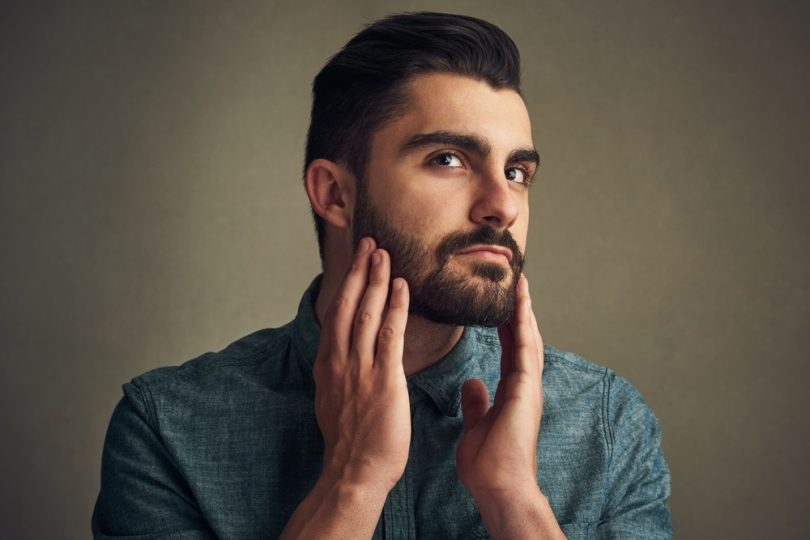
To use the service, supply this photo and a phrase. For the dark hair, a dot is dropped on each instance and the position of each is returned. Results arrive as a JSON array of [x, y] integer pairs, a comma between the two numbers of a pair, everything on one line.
[[362, 86]]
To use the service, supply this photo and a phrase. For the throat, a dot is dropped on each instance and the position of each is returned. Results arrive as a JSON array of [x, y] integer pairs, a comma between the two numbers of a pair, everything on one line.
[[427, 342]]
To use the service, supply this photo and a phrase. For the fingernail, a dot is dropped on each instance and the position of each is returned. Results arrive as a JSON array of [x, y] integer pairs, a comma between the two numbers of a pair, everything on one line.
[[376, 258], [397, 285], [361, 248]]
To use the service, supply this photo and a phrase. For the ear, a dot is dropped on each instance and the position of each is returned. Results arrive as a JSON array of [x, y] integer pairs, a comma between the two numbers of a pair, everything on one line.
[[330, 188]]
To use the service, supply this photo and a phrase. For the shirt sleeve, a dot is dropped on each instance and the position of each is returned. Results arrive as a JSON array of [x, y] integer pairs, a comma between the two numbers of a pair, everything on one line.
[[639, 481], [143, 496]]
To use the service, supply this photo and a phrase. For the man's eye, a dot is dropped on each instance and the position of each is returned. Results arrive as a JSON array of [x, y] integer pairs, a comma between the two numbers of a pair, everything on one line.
[[516, 174], [447, 160]]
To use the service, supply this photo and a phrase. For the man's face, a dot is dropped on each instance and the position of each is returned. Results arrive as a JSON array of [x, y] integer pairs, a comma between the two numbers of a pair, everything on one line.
[[446, 193]]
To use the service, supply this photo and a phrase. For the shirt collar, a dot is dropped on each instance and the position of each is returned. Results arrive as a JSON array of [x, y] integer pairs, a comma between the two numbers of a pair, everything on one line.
[[475, 356], [306, 331]]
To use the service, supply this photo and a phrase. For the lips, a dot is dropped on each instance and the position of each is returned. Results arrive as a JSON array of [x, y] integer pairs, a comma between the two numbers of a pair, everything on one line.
[[497, 250]]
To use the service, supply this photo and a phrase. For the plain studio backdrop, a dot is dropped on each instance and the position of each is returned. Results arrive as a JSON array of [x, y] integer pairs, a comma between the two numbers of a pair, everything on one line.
[[152, 210]]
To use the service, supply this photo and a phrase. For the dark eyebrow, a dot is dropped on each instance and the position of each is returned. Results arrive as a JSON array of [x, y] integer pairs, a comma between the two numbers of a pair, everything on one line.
[[524, 155], [470, 143]]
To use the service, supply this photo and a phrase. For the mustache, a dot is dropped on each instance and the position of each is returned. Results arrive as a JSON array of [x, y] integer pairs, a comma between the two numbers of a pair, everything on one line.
[[483, 235]]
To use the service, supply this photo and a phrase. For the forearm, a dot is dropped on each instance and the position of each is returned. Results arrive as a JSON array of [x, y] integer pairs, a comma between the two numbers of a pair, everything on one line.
[[515, 517], [336, 510]]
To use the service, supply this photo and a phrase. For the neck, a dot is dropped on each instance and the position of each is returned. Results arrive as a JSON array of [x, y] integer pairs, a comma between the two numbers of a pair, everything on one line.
[[426, 342]]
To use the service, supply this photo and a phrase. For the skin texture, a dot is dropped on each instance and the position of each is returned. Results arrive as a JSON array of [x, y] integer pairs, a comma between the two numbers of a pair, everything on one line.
[[368, 347]]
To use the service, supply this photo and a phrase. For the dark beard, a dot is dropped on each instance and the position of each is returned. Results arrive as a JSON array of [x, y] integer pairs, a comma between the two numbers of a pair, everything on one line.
[[443, 296]]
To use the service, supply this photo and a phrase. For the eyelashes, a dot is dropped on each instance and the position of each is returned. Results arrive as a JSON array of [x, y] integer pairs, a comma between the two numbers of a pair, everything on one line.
[[438, 159]]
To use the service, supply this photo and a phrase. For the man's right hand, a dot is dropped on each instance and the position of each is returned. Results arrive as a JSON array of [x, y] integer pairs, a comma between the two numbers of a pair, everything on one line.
[[361, 397], [361, 402]]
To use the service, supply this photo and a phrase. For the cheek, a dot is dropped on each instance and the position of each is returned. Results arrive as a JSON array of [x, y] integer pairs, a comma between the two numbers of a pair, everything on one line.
[[520, 228], [422, 213]]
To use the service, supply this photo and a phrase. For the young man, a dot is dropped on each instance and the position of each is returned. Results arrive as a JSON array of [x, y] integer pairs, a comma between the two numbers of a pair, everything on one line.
[[370, 414]]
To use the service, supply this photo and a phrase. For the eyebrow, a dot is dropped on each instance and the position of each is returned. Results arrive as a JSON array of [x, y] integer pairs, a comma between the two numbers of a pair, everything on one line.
[[526, 155], [469, 143]]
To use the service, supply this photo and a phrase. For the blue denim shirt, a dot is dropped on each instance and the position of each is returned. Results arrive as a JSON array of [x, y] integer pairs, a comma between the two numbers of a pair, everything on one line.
[[227, 446]]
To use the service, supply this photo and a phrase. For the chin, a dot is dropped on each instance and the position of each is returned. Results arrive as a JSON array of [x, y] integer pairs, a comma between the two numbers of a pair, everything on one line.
[[485, 298], [494, 272]]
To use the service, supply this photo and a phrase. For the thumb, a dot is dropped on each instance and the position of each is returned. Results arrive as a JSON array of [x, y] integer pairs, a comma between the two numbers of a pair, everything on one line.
[[474, 402]]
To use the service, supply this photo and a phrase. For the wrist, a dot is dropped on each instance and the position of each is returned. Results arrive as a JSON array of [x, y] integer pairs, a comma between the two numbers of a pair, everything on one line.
[[495, 502], [519, 513], [337, 508], [350, 487], [362, 474]]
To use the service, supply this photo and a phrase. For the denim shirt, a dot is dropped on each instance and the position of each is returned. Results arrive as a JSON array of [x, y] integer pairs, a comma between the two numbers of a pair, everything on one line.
[[227, 446]]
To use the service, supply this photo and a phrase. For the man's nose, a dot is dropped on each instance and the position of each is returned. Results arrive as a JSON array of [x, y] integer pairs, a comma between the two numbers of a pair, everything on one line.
[[496, 202]]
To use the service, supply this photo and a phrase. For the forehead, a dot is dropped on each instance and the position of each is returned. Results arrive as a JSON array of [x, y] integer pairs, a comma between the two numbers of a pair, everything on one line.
[[448, 102]]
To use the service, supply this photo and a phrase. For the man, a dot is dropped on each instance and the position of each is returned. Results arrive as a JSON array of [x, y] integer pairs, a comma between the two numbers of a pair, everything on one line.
[[370, 414]]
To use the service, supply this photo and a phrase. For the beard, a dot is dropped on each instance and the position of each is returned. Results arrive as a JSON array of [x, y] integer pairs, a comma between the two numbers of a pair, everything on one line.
[[483, 297]]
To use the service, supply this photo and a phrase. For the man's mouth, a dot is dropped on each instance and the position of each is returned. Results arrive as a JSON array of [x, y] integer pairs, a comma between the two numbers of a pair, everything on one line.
[[488, 253]]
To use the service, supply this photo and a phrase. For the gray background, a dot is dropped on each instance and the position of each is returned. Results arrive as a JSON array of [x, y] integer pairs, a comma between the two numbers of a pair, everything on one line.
[[151, 210]]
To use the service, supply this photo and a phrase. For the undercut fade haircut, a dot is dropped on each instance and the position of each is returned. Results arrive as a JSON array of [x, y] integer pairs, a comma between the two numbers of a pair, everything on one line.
[[363, 86]]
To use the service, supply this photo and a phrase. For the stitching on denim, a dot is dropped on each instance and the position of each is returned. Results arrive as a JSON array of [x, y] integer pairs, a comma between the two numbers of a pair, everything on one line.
[[607, 431], [607, 428], [148, 403]]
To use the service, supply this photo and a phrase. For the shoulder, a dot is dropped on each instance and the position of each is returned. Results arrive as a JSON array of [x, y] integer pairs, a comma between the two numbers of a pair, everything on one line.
[[571, 363], [572, 383], [254, 364], [568, 377], [573, 371]]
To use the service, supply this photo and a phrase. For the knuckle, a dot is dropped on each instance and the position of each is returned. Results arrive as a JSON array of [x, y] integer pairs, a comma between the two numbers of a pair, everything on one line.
[[340, 301], [363, 317], [387, 333]]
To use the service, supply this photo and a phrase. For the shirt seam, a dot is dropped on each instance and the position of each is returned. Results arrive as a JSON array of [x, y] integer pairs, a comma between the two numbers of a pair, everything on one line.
[[142, 389], [607, 431], [607, 428]]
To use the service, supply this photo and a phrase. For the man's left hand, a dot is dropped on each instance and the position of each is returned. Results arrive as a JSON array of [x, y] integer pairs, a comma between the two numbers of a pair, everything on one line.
[[497, 455]]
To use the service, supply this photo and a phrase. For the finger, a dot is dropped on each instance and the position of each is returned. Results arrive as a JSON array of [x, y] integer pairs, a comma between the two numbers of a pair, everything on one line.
[[474, 403], [525, 357], [540, 359], [539, 340], [370, 311], [391, 340], [339, 317]]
